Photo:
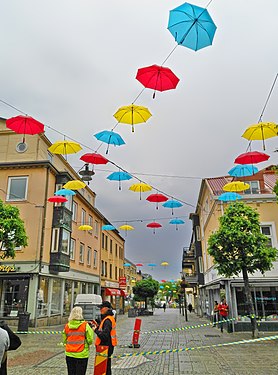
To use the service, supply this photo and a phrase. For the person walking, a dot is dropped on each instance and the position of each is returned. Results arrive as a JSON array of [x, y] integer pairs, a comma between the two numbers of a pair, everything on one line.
[[215, 314], [4, 346], [223, 309], [77, 337], [106, 331], [164, 306], [190, 308], [14, 343]]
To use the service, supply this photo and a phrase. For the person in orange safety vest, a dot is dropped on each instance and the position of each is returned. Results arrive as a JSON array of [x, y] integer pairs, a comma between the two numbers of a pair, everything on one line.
[[106, 331], [77, 338]]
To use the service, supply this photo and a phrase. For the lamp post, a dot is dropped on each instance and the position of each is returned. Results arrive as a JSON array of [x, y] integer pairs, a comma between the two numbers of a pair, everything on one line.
[[183, 286]]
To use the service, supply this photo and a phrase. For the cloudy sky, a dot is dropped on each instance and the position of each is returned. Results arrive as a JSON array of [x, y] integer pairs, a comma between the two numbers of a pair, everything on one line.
[[71, 64]]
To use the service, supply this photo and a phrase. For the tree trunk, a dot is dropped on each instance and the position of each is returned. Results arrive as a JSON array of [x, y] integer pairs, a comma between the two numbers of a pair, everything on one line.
[[146, 303], [249, 303]]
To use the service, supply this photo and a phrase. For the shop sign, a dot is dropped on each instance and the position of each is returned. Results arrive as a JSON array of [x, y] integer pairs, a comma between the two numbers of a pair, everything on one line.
[[7, 268], [266, 298], [111, 284], [122, 282]]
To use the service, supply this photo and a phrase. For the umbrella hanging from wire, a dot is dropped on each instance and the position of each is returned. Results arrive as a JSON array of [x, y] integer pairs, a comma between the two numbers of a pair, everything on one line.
[[140, 187], [176, 222], [243, 170], [261, 131], [64, 192], [57, 199], [94, 158], [65, 148], [236, 186], [152, 265], [119, 176], [229, 196], [108, 227], [154, 225], [164, 264], [85, 227], [172, 204], [139, 265], [24, 125], [157, 198], [158, 78], [109, 137], [252, 157], [74, 185], [126, 228], [127, 265], [132, 115]]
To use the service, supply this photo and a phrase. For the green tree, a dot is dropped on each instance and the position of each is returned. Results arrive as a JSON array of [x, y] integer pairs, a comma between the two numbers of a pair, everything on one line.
[[12, 230], [144, 289], [238, 246]]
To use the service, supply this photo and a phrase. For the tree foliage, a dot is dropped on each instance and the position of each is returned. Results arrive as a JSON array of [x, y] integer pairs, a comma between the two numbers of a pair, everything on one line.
[[12, 230], [146, 288], [239, 243]]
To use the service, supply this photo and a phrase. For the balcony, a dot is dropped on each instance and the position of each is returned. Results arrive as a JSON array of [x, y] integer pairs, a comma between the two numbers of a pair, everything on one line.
[[190, 277]]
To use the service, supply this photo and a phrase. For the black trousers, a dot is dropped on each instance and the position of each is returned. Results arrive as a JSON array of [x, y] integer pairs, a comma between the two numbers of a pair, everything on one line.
[[108, 369], [3, 369], [76, 366]]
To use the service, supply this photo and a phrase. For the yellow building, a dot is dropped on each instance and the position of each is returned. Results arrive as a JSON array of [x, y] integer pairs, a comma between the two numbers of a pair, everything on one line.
[[60, 260], [206, 220]]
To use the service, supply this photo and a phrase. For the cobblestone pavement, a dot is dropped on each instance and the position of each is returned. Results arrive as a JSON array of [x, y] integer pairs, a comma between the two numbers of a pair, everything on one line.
[[43, 354]]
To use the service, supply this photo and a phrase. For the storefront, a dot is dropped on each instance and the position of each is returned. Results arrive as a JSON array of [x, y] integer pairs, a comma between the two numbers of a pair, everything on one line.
[[112, 293]]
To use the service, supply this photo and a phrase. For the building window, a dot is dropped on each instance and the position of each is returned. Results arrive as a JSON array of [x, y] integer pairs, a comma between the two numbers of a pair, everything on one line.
[[95, 258], [81, 253], [83, 217], [110, 271], [198, 233], [89, 256], [111, 246], [96, 229], [72, 249], [55, 240], [116, 273], [121, 253], [116, 250], [200, 262], [74, 211], [102, 268], [102, 240], [267, 230], [90, 222], [254, 187], [105, 269], [65, 241], [17, 188]]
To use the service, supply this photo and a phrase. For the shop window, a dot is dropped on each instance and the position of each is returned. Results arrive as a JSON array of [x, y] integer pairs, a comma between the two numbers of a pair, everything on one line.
[[55, 307], [17, 188], [81, 253], [72, 249], [89, 256], [95, 258], [67, 297], [43, 297], [74, 211], [15, 293]]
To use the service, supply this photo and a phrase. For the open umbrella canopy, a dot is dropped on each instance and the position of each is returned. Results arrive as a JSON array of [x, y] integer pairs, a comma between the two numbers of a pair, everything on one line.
[[252, 157], [25, 125], [172, 204], [152, 265], [85, 227], [74, 185], [57, 199], [126, 227], [176, 222], [140, 187], [164, 264], [261, 131], [132, 114], [94, 158], [236, 186], [157, 198], [191, 26], [119, 176], [139, 265], [158, 78], [64, 192], [110, 137], [127, 264], [243, 170], [108, 227], [65, 147], [229, 196], [154, 225]]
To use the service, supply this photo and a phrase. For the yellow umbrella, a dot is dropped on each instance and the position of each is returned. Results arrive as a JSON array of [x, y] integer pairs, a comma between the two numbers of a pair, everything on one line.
[[132, 114], [164, 264], [65, 147], [261, 131], [141, 187], [85, 227], [74, 185], [236, 186], [126, 227]]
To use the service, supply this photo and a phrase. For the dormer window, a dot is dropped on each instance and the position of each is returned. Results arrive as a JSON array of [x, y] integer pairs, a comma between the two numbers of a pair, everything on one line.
[[254, 187]]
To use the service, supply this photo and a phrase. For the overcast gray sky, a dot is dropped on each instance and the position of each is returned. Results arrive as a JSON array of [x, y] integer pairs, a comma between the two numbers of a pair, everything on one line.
[[72, 64]]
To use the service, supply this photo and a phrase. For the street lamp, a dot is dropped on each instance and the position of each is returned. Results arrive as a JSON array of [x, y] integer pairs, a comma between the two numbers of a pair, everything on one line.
[[183, 285]]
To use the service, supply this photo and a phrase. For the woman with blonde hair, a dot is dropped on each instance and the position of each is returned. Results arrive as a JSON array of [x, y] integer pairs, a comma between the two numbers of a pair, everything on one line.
[[77, 338]]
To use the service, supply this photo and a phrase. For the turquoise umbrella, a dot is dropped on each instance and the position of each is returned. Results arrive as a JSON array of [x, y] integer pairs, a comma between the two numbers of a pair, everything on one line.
[[108, 227], [64, 192], [229, 196], [243, 170], [110, 137], [172, 204], [176, 222], [119, 176]]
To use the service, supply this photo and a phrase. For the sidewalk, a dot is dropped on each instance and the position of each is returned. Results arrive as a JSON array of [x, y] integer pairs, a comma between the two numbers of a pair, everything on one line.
[[42, 354]]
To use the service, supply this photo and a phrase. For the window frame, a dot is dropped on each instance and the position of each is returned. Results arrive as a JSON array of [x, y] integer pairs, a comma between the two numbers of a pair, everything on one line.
[[81, 252], [12, 178], [72, 249]]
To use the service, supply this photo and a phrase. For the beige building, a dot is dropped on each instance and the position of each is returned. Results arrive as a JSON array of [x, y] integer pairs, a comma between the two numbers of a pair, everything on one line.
[[213, 286], [60, 260]]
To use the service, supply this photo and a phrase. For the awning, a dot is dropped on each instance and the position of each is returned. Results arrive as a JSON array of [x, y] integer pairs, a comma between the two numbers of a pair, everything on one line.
[[113, 292]]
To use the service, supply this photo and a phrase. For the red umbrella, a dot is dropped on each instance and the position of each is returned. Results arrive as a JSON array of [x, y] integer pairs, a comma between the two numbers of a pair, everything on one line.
[[94, 158], [139, 265], [252, 157], [154, 225], [57, 199], [158, 198], [24, 125], [157, 77]]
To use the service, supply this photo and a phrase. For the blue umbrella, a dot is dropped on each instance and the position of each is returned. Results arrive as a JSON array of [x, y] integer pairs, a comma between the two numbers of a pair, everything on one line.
[[152, 265], [243, 170], [176, 222], [110, 137], [172, 204], [229, 196], [191, 26], [127, 264], [108, 227], [119, 176], [64, 192]]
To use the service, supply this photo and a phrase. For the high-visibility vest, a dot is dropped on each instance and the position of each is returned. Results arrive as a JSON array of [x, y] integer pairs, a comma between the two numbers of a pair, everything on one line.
[[112, 333], [76, 338]]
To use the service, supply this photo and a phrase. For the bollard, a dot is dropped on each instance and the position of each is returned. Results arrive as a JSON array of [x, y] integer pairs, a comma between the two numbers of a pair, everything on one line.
[[101, 360], [136, 333]]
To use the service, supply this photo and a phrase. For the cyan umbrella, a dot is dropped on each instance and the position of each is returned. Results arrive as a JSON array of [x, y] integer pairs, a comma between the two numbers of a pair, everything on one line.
[[127, 264], [110, 137], [172, 204], [228, 197], [64, 192], [119, 176], [191, 26], [243, 170], [176, 222], [108, 227]]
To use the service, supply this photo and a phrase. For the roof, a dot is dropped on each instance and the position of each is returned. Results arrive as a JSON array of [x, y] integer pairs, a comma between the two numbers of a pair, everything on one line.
[[269, 181], [216, 184]]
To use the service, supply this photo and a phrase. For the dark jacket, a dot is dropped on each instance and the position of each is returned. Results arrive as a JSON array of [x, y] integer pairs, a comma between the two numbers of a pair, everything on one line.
[[105, 333]]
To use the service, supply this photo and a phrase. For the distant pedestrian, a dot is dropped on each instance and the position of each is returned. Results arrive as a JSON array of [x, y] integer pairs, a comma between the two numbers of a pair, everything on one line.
[[190, 308], [164, 306], [215, 313], [77, 337], [223, 309]]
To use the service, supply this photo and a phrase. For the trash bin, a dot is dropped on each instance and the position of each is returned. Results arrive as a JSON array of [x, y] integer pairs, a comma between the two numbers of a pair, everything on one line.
[[23, 321]]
